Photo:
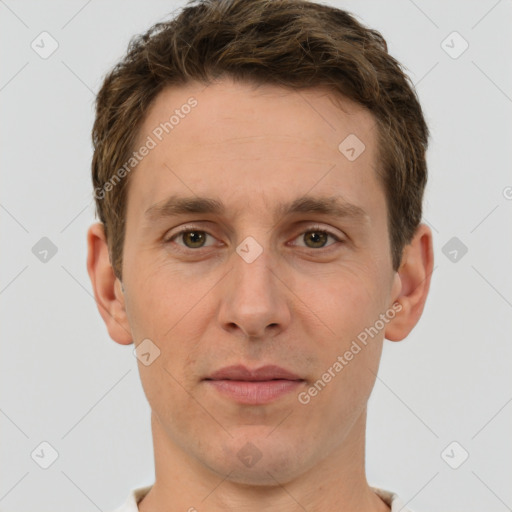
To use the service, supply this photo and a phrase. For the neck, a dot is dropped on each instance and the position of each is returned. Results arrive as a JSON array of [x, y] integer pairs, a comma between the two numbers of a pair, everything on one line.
[[338, 482]]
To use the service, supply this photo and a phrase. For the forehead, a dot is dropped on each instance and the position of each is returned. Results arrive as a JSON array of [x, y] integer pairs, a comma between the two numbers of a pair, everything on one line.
[[224, 138], [240, 113]]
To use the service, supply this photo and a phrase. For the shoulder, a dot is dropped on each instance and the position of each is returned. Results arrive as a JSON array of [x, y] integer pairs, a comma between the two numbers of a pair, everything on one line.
[[130, 505], [391, 499]]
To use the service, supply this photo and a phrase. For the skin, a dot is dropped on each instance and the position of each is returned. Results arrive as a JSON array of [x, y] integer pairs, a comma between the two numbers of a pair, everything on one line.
[[299, 304]]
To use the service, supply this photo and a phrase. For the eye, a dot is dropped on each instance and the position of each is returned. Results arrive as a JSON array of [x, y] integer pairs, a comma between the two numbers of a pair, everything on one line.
[[192, 238], [316, 237]]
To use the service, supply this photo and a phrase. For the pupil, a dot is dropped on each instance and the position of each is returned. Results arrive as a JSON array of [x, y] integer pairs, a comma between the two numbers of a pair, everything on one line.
[[195, 236], [315, 235]]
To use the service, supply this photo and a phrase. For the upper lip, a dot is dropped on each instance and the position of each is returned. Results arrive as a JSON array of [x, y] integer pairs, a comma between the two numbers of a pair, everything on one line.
[[241, 372]]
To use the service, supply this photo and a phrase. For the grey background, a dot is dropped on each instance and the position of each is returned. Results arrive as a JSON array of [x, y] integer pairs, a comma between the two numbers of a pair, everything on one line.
[[65, 382]]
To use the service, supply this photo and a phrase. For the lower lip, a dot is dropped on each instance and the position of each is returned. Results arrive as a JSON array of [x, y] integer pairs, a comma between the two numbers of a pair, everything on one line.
[[255, 392]]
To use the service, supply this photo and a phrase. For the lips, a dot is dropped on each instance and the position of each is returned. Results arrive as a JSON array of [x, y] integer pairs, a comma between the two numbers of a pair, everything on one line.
[[242, 373], [253, 386]]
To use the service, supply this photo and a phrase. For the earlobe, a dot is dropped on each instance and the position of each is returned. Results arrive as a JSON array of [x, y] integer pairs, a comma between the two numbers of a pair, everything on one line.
[[107, 287], [414, 277]]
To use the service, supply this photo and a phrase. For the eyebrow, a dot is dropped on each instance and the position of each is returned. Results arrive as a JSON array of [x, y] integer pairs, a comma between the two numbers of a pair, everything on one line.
[[333, 206]]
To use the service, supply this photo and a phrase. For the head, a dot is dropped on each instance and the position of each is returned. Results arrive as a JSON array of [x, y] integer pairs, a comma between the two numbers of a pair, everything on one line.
[[291, 146]]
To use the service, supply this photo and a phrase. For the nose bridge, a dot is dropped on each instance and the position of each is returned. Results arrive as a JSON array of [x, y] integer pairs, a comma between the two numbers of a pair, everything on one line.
[[253, 272], [258, 258], [253, 298]]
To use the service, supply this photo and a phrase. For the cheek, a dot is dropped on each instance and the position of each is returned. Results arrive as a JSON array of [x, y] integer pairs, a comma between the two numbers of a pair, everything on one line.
[[347, 304], [158, 309], [344, 301], [166, 314], [162, 299]]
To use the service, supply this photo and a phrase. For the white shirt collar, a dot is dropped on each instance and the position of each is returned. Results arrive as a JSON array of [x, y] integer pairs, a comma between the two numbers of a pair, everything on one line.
[[136, 495]]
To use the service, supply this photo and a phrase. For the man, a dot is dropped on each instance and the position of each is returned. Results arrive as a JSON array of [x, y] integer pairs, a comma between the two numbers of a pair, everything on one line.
[[259, 169]]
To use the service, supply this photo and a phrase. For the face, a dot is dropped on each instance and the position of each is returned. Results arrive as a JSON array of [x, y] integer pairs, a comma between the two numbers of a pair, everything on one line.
[[253, 302]]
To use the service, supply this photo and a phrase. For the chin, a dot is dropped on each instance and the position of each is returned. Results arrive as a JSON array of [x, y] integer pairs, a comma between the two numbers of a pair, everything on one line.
[[259, 460]]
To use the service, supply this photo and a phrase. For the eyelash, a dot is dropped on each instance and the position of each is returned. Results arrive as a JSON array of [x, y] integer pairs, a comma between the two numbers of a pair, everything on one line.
[[187, 229]]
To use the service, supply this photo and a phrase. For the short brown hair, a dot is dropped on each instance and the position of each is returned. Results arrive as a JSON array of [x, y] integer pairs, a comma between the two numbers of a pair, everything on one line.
[[297, 44]]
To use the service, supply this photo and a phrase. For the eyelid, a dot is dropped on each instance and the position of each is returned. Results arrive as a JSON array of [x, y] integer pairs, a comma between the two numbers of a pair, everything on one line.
[[319, 227]]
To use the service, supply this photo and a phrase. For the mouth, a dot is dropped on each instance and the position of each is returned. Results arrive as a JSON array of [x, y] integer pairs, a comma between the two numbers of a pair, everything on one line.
[[254, 386]]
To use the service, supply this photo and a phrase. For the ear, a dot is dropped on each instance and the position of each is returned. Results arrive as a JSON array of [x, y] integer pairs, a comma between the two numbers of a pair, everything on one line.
[[412, 283], [107, 287]]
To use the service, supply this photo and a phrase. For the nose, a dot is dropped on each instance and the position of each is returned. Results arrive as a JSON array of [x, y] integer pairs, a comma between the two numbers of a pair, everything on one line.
[[254, 298]]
